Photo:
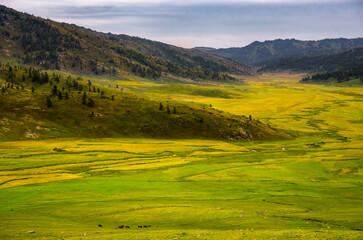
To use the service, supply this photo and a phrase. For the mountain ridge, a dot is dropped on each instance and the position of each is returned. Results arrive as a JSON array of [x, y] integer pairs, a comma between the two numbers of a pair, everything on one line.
[[258, 53], [52, 45]]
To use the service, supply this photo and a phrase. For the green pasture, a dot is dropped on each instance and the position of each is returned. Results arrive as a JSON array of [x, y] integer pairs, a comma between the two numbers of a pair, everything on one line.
[[306, 188]]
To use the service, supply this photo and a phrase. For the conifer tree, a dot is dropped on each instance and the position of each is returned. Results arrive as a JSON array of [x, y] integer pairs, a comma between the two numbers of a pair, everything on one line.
[[168, 109], [84, 98], [55, 90], [60, 96], [161, 107], [49, 102], [91, 103]]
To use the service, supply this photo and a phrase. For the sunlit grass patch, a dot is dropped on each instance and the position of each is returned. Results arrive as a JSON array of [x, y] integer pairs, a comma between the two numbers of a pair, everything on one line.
[[308, 187], [19, 180]]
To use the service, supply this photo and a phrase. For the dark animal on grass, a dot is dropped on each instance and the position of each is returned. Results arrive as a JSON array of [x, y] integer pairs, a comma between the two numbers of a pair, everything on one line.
[[122, 226], [127, 227], [145, 226], [99, 225], [156, 226], [149, 226], [58, 149], [139, 226]]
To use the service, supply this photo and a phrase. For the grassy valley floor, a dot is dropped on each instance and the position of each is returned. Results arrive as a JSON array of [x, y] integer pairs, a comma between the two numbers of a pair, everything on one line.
[[309, 187]]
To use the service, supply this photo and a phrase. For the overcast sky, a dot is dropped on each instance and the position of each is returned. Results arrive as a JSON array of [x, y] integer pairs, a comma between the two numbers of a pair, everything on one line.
[[211, 23]]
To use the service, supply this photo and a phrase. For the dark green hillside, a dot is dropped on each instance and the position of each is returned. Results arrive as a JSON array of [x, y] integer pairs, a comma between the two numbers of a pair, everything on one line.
[[39, 104], [52, 45], [336, 76], [351, 59], [185, 57], [260, 53]]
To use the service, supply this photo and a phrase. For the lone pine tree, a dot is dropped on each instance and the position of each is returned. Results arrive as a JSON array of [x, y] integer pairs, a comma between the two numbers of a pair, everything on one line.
[[49, 102]]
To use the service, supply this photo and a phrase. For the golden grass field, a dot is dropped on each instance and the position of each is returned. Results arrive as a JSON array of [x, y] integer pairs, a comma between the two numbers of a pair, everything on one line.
[[306, 188]]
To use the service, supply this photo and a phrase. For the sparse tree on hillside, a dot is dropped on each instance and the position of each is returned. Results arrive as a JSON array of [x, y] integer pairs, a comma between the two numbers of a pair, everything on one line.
[[66, 95], [46, 77], [168, 109], [90, 102], [174, 110], [84, 98], [161, 107], [55, 90], [60, 96], [33, 89], [49, 102]]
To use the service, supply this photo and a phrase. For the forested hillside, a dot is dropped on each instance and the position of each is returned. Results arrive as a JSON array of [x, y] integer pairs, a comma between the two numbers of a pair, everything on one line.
[[186, 57], [260, 53], [351, 59], [45, 104], [52, 45]]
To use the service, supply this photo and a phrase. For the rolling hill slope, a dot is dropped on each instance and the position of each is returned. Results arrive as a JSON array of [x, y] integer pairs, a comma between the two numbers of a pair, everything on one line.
[[52, 45], [185, 57], [39, 104]]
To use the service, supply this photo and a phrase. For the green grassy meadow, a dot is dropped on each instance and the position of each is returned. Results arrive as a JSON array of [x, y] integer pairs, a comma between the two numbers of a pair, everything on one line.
[[306, 188]]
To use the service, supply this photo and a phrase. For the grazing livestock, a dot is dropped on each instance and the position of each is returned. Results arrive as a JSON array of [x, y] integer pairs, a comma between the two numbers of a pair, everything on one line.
[[58, 150], [139, 226], [127, 227], [156, 226], [149, 226], [122, 226], [145, 226], [99, 225]]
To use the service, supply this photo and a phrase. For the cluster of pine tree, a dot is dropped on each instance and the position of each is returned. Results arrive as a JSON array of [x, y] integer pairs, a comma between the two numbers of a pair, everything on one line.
[[39, 40], [168, 111], [340, 76]]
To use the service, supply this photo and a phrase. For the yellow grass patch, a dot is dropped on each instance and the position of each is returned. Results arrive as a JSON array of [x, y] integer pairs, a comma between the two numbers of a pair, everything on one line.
[[18, 180], [147, 164]]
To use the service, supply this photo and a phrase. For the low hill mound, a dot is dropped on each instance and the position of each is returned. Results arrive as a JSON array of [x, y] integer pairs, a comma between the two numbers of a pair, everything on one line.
[[38, 104]]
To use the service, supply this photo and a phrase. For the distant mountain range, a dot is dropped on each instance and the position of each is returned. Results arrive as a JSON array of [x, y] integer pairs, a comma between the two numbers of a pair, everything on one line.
[[260, 53], [52, 45], [48, 44]]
